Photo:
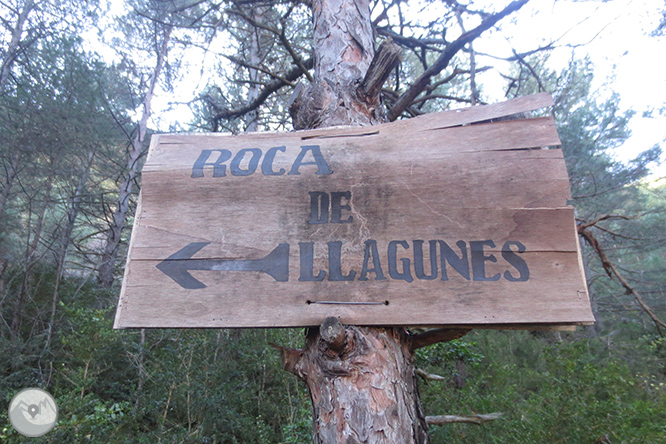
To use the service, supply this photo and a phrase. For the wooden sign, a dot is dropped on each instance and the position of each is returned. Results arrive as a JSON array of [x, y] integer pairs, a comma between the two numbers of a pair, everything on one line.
[[428, 221]]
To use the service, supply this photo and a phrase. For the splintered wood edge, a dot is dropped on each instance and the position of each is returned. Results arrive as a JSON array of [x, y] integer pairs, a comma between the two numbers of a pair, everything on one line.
[[154, 142], [530, 327], [438, 120], [475, 114], [137, 220]]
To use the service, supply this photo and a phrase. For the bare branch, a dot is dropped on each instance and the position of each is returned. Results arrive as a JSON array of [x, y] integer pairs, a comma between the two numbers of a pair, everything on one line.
[[244, 64], [223, 113], [298, 60], [583, 224], [444, 96], [612, 270], [391, 97], [472, 419], [529, 67], [438, 335], [411, 42], [445, 58], [618, 235], [429, 376], [472, 63], [456, 72], [281, 34]]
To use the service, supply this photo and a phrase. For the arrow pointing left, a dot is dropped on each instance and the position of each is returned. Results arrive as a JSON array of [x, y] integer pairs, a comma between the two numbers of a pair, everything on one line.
[[178, 265]]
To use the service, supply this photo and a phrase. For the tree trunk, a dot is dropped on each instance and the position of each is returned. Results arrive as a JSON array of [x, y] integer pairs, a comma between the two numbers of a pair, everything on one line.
[[113, 238], [31, 249], [14, 45], [137, 150], [66, 239], [362, 385], [361, 380], [10, 175], [344, 50], [252, 118]]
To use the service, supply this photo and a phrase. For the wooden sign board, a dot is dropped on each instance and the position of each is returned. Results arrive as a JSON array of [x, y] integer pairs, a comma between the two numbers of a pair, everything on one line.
[[428, 221]]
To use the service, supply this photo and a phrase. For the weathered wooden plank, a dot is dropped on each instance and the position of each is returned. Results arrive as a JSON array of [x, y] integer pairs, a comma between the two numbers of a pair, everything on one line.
[[385, 141], [365, 195], [456, 301], [508, 179], [123, 291], [164, 233], [514, 185], [420, 156]]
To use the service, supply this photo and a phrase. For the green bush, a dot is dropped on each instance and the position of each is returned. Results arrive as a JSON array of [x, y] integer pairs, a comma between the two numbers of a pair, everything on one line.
[[573, 392]]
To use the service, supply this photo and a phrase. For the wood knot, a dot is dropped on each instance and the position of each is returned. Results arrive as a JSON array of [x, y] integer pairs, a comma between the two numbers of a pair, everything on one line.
[[332, 333]]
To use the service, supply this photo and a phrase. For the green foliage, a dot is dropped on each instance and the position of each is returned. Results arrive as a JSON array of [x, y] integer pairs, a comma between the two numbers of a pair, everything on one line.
[[200, 386], [456, 350], [299, 428], [573, 391]]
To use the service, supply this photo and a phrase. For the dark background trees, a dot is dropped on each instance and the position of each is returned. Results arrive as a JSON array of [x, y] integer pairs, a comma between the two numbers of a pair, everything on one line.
[[74, 128]]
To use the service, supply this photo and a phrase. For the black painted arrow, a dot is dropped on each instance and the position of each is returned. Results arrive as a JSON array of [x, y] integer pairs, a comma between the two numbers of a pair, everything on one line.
[[178, 265]]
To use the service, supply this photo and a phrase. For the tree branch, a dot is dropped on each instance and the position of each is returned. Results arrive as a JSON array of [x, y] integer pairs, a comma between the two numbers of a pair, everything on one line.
[[244, 64], [443, 96], [438, 335], [411, 42], [456, 72], [281, 34], [429, 376], [445, 58], [392, 96], [612, 270], [295, 57], [289, 357], [472, 63], [529, 67], [386, 59], [472, 419], [584, 224], [223, 113]]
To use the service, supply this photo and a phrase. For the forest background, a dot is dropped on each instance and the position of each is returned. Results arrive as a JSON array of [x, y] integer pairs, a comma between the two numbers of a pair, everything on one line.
[[83, 85]]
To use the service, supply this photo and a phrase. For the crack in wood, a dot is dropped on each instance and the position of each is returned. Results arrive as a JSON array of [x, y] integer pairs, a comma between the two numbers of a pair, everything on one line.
[[339, 136]]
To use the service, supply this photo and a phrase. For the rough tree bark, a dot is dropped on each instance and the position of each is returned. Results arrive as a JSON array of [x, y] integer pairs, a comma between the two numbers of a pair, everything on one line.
[[344, 50], [361, 380], [362, 385]]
